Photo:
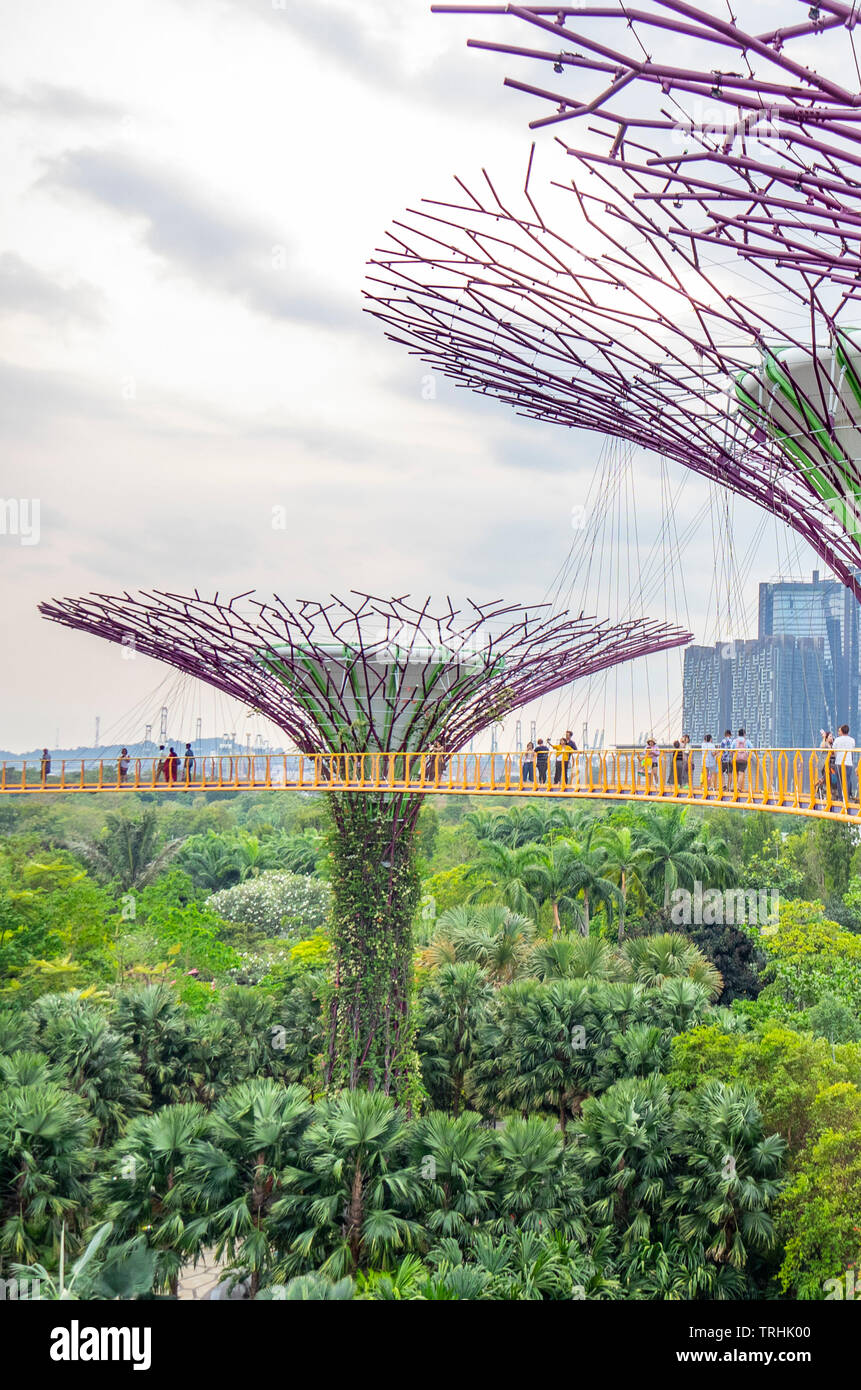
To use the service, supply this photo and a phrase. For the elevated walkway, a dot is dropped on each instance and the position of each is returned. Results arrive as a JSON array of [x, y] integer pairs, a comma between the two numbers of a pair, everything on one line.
[[775, 779]]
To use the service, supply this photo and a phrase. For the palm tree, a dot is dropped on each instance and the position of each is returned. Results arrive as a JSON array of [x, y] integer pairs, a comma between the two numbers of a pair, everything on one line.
[[141, 1187], [232, 1175], [499, 940], [678, 852], [347, 1205], [455, 1009], [508, 871], [652, 960], [551, 1049], [531, 824], [627, 1152], [95, 1058], [157, 1029], [732, 1177], [481, 823], [211, 861], [45, 1156], [567, 871], [455, 1156], [574, 958], [127, 850], [539, 1188], [626, 863]]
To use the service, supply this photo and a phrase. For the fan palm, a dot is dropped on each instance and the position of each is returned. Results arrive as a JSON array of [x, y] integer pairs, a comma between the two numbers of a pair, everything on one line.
[[456, 1159], [539, 1187], [574, 958], [232, 1175], [346, 1205], [95, 1058], [626, 1149], [140, 1185], [45, 1157], [499, 940], [455, 1008], [733, 1175], [652, 960], [552, 1047]]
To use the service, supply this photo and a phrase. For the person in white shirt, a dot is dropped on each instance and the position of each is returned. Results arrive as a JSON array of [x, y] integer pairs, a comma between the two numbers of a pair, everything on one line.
[[844, 760]]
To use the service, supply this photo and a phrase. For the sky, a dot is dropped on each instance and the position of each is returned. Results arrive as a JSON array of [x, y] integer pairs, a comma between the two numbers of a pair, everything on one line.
[[191, 394]]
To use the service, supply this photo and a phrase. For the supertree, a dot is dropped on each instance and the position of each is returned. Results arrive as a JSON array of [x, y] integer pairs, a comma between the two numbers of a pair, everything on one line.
[[691, 287], [351, 675]]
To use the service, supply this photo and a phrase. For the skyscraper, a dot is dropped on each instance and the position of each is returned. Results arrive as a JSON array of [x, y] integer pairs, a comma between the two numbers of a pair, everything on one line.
[[801, 674], [822, 609]]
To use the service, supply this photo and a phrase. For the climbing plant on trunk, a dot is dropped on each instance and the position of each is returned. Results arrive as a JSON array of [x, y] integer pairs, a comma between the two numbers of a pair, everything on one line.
[[376, 888]]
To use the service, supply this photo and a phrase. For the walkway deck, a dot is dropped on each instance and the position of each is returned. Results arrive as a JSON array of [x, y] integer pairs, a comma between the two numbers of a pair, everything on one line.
[[775, 779]]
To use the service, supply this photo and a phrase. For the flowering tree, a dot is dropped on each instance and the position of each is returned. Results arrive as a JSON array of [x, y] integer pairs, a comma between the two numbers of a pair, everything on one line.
[[275, 904]]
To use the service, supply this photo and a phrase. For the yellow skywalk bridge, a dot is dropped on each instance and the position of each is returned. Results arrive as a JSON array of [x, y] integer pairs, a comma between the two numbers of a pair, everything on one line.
[[800, 781]]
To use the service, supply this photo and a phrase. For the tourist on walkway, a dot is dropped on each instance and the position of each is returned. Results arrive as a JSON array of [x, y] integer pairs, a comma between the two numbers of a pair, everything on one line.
[[567, 759], [844, 761], [188, 764], [171, 767], [677, 767], [542, 754], [159, 771], [726, 753], [687, 759], [46, 765], [527, 765], [823, 767], [563, 749], [123, 765], [741, 755], [650, 760], [709, 763]]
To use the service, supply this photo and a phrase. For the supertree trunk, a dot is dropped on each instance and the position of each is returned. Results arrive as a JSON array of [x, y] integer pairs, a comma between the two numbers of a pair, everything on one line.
[[376, 889]]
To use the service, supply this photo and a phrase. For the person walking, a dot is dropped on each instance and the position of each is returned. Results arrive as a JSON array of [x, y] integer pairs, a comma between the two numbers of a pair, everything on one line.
[[527, 765], [45, 765], [159, 771], [844, 762], [742, 750], [542, 755], [188, 764], [709, 763], [123, 765]]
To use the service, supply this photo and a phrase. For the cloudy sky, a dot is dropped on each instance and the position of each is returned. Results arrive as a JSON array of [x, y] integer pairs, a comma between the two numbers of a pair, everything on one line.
[[190, 193]]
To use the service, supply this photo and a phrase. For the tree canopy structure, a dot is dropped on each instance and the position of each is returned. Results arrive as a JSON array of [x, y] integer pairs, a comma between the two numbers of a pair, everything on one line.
[[366, 673], [694, 293]]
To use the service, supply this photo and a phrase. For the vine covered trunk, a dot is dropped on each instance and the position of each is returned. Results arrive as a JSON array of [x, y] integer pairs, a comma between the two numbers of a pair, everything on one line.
[[375, 886]]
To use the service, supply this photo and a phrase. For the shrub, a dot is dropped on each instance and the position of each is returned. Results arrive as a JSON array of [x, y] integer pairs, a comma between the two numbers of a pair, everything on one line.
[[275, 904]]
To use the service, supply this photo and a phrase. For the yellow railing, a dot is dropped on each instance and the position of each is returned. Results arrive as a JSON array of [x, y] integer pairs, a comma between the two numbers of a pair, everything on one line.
[[797, 781]]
